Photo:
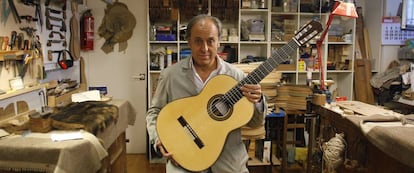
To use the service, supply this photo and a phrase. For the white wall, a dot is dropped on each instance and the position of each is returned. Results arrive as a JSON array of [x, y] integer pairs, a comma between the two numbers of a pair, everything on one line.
[[374, 11], [116, 70]]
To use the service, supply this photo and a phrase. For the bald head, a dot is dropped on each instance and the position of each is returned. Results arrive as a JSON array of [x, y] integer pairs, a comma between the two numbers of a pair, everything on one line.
[[201, 19]]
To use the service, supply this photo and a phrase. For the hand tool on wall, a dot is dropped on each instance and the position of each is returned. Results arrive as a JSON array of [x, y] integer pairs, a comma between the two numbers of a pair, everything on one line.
[[24, 65], [51, 10], [49, 42], [52, 33], [14, 11], [26, 44], [50, 26], [38, 11], [74, 40], [51, 52], [29, 18], [1, 43], [20, 38], [29, 30], [12, 39], [56, 19], [36, 4], [5, 43]]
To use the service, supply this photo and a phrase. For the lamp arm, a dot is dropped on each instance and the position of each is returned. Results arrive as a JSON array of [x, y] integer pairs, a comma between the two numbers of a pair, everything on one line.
[[319, 52]]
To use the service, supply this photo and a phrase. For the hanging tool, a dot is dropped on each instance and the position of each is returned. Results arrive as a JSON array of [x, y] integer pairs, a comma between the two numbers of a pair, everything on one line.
[[55, 18], [28, 18], [5, 12], [38, 11], [51, 52], [51, 10], [50, 26], [52, 33], [20, 39], [14, 11], [5, 43], [38, 7], [49, 42], [13, 39], [29, 30], [74, 40], [24, 65]]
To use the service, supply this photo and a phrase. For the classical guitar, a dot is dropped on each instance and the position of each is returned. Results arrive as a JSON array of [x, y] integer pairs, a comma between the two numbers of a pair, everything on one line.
[[194, 129]]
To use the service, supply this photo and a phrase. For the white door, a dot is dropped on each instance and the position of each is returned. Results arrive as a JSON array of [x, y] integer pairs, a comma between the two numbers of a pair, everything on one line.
[[137, 133], [121, 72]]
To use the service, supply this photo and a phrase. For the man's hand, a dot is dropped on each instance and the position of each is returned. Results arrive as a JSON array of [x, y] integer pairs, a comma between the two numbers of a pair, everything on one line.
[[253, 92], [165, 153]]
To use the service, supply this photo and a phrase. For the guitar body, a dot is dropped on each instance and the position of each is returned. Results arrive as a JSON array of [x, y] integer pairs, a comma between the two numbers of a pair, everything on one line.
[[210, 131]]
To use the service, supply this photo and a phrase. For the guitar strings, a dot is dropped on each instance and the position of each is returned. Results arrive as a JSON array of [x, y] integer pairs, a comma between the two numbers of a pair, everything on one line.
[[235, 94]]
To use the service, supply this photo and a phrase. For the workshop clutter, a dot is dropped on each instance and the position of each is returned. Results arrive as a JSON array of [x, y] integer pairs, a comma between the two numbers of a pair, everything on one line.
[[163, 57], [292, 97], [117, 26], [86, 30], [91, 116]]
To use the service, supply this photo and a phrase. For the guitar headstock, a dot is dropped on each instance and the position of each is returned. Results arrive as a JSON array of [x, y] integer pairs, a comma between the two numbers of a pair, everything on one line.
[[307, 32]]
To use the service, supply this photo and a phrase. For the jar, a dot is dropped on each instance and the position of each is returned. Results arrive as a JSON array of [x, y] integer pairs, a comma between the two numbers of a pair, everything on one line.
[[254, 4]]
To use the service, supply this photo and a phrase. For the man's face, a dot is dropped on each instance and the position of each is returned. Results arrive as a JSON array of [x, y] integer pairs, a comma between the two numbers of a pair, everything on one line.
[[204, 43]]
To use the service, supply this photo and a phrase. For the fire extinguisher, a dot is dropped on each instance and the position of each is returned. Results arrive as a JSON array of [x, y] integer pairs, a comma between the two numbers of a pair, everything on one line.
[[86, 28]]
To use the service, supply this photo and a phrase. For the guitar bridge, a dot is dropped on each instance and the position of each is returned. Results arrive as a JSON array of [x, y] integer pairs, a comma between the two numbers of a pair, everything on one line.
[[190, 132]]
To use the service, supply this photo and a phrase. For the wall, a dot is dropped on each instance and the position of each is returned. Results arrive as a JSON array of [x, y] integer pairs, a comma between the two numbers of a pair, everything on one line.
[[117, 70], [374, 11]]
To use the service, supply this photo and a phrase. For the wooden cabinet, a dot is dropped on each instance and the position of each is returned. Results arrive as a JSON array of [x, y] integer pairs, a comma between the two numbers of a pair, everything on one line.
[[116, 159]]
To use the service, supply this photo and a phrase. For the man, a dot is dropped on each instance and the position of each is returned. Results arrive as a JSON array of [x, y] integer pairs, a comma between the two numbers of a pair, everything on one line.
[[187, 78]]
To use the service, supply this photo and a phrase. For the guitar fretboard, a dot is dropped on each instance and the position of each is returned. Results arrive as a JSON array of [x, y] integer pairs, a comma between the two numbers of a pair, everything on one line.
[[279, 56]]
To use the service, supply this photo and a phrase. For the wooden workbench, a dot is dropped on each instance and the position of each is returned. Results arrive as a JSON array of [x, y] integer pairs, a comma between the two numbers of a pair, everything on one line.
[[38, 153], [378, 153]]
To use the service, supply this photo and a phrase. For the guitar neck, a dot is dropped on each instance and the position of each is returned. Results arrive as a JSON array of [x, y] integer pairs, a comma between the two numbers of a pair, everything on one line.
[[279, 56]]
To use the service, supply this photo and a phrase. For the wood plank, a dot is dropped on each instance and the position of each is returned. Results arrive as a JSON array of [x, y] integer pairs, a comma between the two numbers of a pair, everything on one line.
[[368, 74], [363, 91], [8, 112], [360, 33], [367, 44], [365, 109], [22, 106]]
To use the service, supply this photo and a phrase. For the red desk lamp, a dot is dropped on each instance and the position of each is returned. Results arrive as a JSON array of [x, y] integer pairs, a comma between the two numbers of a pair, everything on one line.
[[340, 8]]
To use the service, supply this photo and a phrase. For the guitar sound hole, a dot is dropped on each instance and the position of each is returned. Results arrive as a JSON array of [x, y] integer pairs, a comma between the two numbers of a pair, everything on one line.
[[218, 109]]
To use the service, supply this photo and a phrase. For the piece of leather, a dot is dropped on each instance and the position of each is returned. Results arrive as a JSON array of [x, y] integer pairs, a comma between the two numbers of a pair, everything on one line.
[[74, 46]]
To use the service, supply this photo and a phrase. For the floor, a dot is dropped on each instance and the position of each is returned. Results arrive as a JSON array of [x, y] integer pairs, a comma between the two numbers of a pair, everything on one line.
[[138, 163]]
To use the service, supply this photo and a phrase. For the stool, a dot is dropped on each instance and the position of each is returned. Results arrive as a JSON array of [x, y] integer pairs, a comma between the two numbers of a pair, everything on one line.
[[286, 126]]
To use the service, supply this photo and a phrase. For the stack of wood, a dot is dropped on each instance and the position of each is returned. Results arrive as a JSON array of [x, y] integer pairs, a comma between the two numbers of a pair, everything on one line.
[[292, 97], [268, 84]]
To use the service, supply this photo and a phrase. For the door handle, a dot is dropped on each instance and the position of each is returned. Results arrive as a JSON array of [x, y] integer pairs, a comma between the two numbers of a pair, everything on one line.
[[140, 76]]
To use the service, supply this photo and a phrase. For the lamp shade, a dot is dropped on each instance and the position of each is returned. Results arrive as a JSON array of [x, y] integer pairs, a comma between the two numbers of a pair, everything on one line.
[[345, 9]]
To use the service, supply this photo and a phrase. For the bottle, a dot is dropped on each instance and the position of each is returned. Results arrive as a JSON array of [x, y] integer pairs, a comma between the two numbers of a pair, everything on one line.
[[301, 65], [162, 64], [153, 36], [169, 57], [254, 4]]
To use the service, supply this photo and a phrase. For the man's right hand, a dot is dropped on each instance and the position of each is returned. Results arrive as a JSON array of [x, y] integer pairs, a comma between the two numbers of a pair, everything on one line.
[[165, 153]]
